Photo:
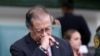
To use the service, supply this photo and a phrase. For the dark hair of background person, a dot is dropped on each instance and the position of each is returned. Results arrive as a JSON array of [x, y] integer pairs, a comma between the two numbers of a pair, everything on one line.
[[67, 3]]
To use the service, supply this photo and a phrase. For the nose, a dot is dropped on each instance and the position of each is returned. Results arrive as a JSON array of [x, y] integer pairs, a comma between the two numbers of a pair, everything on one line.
[[44, 33]]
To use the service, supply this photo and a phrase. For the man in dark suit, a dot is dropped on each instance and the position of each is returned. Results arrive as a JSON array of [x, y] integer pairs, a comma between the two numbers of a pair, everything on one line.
[[72, 21], [39, 41]]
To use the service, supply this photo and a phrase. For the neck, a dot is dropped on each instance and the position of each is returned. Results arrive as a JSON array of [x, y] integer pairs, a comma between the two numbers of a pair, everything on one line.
[[75, 52]]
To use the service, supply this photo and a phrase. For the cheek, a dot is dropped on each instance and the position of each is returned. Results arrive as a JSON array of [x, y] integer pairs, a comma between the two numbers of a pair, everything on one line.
[[35, 35], [49, 33], [75, 44]]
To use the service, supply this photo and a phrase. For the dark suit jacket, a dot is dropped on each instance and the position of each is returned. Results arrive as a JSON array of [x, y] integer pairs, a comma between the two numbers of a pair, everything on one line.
[[28, 47], [71, 21]]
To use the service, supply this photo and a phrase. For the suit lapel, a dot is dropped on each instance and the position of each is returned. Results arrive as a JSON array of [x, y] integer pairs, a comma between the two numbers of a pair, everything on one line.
[[55, 50], [31, 43]]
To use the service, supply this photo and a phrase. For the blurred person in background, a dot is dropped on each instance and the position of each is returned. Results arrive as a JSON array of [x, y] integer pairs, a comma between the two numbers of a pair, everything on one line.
[[39, 41], [97, 42], [74, 38], [71, 21]]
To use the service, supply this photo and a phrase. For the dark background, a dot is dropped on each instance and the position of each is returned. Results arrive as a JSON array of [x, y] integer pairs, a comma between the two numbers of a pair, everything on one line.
[[79, 4]]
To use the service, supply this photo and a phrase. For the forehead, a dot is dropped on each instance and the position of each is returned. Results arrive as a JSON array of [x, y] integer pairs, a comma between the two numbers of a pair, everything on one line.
[[76, 34], [42, 22]]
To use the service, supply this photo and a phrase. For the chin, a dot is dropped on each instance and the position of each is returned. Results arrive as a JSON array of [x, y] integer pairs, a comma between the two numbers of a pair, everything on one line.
[[77, 48]]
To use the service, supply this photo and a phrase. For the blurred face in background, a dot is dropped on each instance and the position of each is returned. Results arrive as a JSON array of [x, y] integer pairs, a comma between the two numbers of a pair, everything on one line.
[[75, 40]]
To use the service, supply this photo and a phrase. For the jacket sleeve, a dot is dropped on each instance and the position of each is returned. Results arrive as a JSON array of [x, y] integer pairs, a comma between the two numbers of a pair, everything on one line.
[[15, 51]]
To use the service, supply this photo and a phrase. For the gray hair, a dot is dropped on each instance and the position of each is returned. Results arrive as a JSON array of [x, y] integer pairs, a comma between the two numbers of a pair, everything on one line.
[[35, 13]]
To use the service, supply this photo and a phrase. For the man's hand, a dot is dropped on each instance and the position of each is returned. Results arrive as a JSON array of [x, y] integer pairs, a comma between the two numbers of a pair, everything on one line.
[[47, 41]]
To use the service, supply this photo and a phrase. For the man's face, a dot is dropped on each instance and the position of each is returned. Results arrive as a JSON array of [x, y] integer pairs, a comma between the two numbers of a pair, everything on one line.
[[41, 28]]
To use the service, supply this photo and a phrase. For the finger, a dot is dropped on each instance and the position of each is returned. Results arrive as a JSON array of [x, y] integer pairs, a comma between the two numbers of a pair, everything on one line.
[[51, 43], [51, 39]]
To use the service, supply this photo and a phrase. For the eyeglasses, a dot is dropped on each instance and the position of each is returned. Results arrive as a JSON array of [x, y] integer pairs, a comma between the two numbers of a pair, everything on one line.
[[40, 31]]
